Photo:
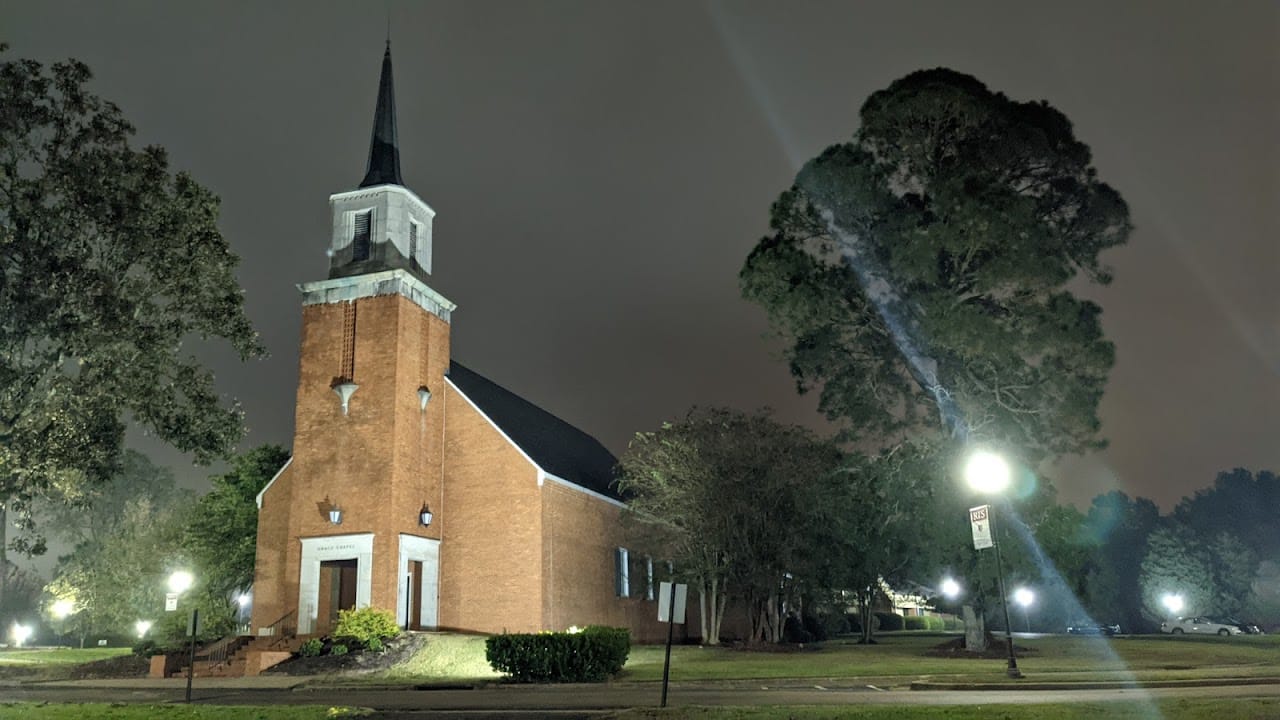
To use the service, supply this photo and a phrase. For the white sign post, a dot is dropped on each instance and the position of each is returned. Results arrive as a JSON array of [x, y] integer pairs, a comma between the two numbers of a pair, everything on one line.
[[980, 519], [671, 604]]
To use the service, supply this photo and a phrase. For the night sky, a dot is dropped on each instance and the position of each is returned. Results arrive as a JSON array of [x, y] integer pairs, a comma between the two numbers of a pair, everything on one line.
[[601, 169]]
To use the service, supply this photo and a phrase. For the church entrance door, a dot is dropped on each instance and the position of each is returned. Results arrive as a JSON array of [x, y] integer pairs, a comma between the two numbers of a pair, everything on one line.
[[337, 591]]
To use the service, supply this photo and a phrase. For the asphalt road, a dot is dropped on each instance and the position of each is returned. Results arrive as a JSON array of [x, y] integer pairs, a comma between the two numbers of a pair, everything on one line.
[[581, 700]]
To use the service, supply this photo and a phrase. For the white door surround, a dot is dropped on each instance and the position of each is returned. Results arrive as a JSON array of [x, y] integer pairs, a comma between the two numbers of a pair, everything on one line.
[[358, 546], [426, 551]]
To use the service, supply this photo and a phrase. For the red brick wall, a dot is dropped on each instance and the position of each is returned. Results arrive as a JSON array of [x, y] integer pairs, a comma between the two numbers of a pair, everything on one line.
[[491, 559]]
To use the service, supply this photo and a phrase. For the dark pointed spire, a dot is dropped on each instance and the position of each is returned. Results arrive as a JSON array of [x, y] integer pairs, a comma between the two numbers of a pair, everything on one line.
[[384, 148]]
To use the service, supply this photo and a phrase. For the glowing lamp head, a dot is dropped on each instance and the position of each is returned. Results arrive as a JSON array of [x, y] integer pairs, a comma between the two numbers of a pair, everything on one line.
[[1023, 597], [243, 599], [1172, 602], [142, 626], [20, 634], [62, 608], [950, 588], [180, 581], [987, 472]]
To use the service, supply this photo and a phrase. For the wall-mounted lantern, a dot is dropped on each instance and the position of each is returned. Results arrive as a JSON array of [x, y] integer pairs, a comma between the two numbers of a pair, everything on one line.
[[335, 515], [424, 516], [345, 389], [424, 395]]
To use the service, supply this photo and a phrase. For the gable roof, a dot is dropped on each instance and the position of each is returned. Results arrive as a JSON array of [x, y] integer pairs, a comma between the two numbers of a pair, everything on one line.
[[554, 445]]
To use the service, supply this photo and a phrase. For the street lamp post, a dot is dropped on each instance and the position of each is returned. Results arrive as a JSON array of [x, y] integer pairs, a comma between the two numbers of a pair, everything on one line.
[[180, 582], [987, 472]]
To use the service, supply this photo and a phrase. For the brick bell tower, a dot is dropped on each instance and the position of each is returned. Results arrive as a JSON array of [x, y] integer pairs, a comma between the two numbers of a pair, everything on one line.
[[352, 519]]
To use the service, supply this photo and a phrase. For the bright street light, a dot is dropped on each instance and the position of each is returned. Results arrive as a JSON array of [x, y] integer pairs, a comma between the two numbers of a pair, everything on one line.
[[1023, 597], [987, 472], [62, 608], [950, 588], [142, 626], [20, 634], [1172, 602], [180, 581], [243, 599]]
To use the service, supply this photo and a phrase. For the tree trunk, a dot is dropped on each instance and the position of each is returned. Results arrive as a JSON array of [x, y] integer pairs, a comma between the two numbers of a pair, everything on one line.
[[865, 616], [4, 559], [702, 613], [975, 631], [723, 599]]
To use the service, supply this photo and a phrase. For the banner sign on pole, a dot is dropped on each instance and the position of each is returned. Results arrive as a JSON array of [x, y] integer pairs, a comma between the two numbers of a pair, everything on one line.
[[664, 602], [980, 519], [170, 602]]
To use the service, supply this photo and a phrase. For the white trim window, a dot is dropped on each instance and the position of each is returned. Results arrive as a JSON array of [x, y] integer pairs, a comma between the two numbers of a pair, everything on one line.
[[622, 572]]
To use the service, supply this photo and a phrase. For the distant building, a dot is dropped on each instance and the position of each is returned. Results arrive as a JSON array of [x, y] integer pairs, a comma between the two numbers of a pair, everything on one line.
[[416, 484]]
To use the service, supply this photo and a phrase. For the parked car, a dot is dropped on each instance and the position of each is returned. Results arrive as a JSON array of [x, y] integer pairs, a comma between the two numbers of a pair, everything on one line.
[[1246, 627], [1200, 625], [1092, 628]]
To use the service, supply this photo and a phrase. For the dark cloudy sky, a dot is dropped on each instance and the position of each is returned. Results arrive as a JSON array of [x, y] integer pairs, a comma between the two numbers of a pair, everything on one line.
[[601, 169]]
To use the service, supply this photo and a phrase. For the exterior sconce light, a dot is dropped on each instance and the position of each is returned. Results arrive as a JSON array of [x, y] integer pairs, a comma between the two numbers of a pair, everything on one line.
[[424, 515], [335, 515], [423, 396], [345, 389]]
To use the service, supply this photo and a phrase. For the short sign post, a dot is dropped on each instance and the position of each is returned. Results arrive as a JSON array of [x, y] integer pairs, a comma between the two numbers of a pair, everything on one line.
[[980, 520], [671, 606]]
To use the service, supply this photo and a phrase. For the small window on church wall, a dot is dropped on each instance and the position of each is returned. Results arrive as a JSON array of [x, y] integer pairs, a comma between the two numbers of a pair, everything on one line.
[[623, 572], [361, 235], [413, 240], [648, 578]]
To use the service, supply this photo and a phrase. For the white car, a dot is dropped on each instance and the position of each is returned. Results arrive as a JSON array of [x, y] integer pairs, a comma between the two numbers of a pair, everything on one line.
[[1201, 625]]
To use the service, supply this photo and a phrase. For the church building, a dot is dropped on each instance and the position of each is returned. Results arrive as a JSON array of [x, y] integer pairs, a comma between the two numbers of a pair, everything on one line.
[[416, 484]]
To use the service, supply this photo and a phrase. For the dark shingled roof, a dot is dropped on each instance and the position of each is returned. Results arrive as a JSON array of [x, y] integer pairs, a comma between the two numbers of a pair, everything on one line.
[[384, 146], [556, 446]]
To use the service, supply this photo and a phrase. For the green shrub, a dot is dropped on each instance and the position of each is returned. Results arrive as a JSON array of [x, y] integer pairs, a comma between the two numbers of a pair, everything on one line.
[[953, 625], [366, 624], [588, 656], [935, 623], [375, 645], [337, 649], [311, 648], [915, 622], [889, 621], [147, 648]]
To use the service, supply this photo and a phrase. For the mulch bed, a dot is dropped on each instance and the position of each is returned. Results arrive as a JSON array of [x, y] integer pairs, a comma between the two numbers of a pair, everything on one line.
[[124, 666], [996, 649], [356, 663]]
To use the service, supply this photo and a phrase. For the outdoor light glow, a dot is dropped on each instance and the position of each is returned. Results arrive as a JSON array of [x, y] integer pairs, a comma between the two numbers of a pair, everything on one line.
[[243, 599], [142, 626], [62, 608], [180, 581], [987, 472], [1023, 597], [21, 633], [1172, 602], [950, 588]]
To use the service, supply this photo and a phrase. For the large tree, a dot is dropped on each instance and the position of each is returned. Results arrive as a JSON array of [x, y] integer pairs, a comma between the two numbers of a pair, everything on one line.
[[110, 265], [918, 274], [735, 500]]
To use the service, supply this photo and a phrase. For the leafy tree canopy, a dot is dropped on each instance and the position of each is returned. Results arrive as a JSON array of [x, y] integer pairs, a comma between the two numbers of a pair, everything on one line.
[[109, 265], [222, 535], [920, 270]]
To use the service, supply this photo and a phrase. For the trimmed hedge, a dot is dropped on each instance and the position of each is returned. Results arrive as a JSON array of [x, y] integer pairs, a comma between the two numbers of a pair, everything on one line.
[[889, 621], [588, 656]]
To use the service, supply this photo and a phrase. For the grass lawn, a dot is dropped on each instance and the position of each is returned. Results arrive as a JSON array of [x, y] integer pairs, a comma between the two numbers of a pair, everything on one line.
[[57, 656], [1216, 709], [102, 711], [903, 657], [897, 660]]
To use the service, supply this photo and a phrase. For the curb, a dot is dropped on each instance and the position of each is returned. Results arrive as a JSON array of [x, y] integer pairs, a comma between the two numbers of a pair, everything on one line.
[[1096, 685]]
